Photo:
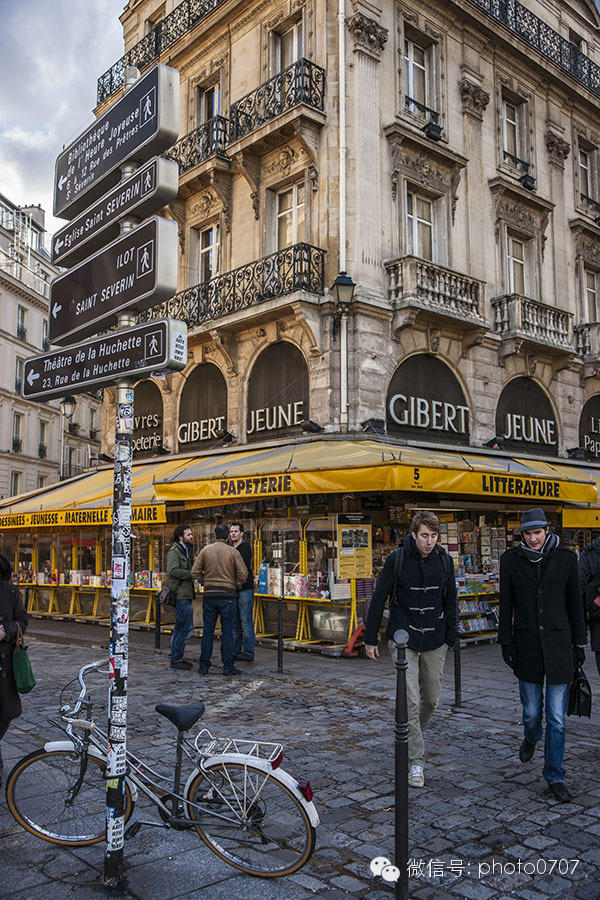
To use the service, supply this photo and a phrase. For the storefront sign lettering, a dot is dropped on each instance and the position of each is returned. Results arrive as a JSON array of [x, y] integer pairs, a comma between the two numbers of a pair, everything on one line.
[[519, 487], [267, 484], [147, 441], [103, 516], [518, 427], [204, 430], [420, 412], [274, 417]]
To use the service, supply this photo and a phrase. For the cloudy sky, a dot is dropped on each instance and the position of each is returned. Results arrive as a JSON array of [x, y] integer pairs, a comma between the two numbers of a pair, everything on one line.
[[51, 54]]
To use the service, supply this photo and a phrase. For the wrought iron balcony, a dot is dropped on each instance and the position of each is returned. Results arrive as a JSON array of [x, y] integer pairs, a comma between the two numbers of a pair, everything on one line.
[[42, 451], [302, 82], [523, 319], [297, 268], [419, 109], [17, 444], [200, 144], [418, 284], [94, 434], [150, 47], [592, 207], [522, 22], [520, 164], [21, 332]]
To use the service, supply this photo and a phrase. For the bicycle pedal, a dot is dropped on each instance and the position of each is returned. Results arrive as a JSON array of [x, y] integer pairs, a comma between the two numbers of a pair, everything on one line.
[[132, 830]]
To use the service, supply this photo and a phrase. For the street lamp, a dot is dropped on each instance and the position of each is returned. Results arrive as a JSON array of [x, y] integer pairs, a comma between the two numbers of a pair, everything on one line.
[[343, 292], [67, 408]]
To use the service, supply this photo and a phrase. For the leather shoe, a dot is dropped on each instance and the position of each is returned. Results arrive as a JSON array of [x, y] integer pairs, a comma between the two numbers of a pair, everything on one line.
[[182, 664], [560, 792], [233, 671], [526, 750], [203, 671], [244, 657]]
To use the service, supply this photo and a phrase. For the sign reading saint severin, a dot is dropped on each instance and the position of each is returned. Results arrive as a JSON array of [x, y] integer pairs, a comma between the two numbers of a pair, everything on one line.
[[525, 419], [426, 402]]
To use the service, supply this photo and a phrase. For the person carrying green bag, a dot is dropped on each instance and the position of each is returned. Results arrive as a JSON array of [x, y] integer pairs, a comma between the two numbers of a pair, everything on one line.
[[12, 618]]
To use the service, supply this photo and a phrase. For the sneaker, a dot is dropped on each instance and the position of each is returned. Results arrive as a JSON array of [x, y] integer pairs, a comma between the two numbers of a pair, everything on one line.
[[244, 657], [181, 664], [233, 671], [416, 777], [559, 792], [526, 750]]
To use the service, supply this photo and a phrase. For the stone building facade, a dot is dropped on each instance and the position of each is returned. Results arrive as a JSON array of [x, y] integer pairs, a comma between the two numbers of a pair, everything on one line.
[[445, 156]]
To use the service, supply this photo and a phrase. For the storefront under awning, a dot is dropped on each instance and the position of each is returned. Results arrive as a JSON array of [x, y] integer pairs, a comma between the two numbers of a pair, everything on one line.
[[334, 466]]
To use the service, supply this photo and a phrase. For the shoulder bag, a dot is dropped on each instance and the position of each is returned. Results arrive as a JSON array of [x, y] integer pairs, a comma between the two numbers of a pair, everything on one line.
[[167, 597], [22, 671]]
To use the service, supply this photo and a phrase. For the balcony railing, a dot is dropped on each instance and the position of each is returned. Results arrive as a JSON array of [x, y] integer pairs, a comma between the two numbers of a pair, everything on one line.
[[73, 428], [69, 471], [45, 344], [94, 434], [17, 444], [435, 287], [21, 332], [297, 268], [592, 206], [302, 82], [208, 140], [18, 384], [522, 22], [514, 161], [522, 318], [150, 47], [42, 450], [419, 109]]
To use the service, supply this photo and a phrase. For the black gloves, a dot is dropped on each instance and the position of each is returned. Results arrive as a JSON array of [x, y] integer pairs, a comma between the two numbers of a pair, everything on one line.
[[508, 655], [578, 656]]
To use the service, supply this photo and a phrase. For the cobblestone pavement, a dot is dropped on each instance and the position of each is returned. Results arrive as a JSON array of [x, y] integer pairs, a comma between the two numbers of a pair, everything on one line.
[[483, 827]]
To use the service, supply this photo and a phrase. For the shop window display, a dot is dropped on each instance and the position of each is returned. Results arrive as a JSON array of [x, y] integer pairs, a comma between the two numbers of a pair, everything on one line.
[[46, 573], [25, 560], [280, 549]]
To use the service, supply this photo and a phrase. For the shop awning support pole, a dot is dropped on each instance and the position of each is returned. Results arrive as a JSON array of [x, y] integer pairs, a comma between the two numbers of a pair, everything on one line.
[[280, 615], [457, 674], [157, 623], [401, 768]]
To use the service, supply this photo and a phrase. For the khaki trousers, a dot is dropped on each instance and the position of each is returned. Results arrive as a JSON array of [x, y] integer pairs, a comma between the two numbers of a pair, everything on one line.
[[423, 685]]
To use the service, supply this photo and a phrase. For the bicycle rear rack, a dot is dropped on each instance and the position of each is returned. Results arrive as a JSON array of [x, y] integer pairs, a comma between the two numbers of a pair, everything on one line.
[[208, 745]]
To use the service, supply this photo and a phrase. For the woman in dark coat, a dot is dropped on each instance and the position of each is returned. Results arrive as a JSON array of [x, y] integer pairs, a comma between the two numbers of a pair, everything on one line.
[[12, 614]]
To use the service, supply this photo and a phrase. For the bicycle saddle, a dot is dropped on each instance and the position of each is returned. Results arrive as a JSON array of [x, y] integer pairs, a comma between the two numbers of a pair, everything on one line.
[[183, 717]]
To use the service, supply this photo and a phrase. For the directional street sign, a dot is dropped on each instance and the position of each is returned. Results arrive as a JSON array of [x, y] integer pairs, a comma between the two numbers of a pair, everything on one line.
[[136, 271], [133, 352], [142, 123], [143, 193]]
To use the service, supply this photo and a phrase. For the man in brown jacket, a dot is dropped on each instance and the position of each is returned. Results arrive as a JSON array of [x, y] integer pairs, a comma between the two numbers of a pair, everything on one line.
[[221, 571]]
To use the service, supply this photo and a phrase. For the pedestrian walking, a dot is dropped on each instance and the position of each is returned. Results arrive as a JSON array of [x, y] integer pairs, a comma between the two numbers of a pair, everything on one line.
[[589, 578], [221, 571], [181, 582], [12, 617], [243, 625], [542, 633], [419, 580]]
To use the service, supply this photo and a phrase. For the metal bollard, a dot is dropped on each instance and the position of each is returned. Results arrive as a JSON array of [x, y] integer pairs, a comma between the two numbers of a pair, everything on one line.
[[401, 767], [457, 674], [157, 623]]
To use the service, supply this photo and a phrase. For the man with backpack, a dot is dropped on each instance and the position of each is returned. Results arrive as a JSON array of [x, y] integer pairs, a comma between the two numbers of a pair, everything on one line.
[[589, 577], [419, 580]]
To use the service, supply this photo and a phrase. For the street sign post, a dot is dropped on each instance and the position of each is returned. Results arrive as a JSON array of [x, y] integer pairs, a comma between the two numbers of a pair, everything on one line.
[[140, 195], [136, 271], [143, 122], [97, 363]]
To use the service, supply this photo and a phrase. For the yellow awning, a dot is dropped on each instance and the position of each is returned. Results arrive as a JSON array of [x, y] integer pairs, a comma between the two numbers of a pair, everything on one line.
[[334, 466]]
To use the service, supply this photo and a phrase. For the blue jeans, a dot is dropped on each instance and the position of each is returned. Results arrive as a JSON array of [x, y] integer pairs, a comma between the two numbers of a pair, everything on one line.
[[532, 698], [184, 626], [243, 623], [213, 606]]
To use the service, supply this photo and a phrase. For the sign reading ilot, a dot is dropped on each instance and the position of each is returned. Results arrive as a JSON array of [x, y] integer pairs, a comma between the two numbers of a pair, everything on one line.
[[145, 121], [136, 271], [146, 190], [136, 351]]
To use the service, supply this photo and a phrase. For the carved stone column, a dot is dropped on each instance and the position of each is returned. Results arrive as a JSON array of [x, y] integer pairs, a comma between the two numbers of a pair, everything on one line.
[[474, 102], [558, 150]]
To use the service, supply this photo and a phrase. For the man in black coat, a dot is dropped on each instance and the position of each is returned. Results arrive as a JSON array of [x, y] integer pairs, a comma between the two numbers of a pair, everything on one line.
[[12, 617], [542, 633], [589, 575], [419, 579]]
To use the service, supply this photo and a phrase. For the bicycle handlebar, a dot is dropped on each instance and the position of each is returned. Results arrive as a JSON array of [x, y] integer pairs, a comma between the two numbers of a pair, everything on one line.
[[90, 667]]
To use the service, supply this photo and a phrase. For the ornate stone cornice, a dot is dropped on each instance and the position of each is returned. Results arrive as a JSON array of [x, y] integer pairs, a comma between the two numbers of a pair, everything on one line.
[[557, 148], [474, 98], [368, 35]]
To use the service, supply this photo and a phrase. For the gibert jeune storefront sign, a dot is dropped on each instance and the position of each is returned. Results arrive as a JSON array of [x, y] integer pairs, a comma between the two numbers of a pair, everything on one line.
[[525, 419], [277, 392], [202, 408], [424, 398]]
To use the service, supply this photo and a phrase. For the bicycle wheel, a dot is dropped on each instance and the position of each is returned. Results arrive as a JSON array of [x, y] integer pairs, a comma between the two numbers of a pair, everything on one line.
[[269, 832], [38, 794]]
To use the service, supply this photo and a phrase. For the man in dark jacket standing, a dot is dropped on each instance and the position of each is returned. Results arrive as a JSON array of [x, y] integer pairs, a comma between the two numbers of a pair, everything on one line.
[[589, 571], [542, 633], [181, 582], [243, 625], [422, 589]]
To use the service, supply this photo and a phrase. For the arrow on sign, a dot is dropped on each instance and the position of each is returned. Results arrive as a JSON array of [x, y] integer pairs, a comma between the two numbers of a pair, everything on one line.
[[31, 377], [56, 309], [57, 245], [61, 182]]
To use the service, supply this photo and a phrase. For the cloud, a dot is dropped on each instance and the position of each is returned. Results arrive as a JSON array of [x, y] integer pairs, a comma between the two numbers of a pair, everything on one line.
[[51, 55]]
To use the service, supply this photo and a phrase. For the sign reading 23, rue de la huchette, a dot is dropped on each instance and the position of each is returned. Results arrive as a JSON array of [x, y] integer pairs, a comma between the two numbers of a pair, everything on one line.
[[136, 271], [143, 122]]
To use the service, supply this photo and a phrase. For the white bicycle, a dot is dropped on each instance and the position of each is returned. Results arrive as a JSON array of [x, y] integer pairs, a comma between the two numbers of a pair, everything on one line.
[[245, 808]]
